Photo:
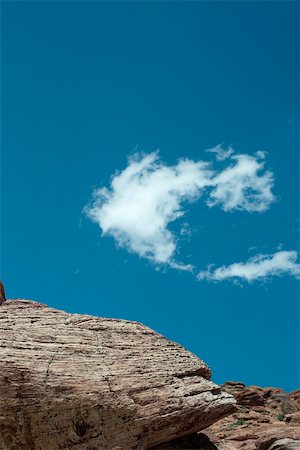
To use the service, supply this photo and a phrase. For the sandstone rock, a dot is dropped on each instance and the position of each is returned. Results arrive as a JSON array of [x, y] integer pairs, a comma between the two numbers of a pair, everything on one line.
[[250, 397], [81, 382], [233, 387], [295, 396], [269, 437], [257, 427], [295, 418], [285, 444], [287, 406], [243, 436]]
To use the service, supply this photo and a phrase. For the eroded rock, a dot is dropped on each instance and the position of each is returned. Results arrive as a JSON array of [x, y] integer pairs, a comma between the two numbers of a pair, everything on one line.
[[264, 416], [81, 382], [285, 444]]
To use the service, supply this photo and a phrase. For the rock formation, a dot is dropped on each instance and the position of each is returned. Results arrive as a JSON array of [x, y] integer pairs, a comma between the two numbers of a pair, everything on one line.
[[70, 381], [266, 419]]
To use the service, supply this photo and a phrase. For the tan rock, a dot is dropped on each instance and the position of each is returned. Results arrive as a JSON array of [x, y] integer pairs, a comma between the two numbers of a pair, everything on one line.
[[295, 418], [243, 436], [285, 444], [269, 423], [249, 415], [267, 440], [288, 406], [250, 396], [295, 396], [81, 382], [269, 435]]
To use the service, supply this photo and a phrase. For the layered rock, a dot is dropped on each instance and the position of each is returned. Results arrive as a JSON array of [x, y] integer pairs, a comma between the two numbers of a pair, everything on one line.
[[70, 381], [266, 419]]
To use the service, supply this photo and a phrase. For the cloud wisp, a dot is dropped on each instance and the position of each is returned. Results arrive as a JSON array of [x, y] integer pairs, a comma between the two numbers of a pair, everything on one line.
[[144, 198], [244, 185], [220, 152], [259, 267]]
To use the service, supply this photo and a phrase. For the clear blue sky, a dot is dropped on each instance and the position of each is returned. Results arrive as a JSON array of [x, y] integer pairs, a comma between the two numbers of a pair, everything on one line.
[[84, 84]]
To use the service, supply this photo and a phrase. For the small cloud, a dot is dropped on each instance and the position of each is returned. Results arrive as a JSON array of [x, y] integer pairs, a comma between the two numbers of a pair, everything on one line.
[[221, 153], [185, 230], [182, 267], [259, 267], [261, 154], [243, 186]]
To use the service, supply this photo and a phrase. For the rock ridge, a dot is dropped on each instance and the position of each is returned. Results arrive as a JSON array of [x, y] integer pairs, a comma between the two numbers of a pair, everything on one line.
[[71, 381]]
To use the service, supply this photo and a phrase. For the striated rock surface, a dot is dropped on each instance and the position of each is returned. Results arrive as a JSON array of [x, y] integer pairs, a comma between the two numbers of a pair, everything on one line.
[[285, 444], [70, 381], [266, 419]]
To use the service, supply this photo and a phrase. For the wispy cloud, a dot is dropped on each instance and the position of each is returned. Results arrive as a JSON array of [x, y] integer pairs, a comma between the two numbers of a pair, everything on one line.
[[244, 185], [220, 152], [260, 267], [147, 195]]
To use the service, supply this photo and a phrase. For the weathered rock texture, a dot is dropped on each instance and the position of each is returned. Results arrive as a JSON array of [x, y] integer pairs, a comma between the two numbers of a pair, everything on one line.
[[266, 419], [69, 381]]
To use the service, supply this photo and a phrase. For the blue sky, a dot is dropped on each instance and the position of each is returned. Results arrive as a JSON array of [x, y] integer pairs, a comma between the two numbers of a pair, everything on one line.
[[85, 85]]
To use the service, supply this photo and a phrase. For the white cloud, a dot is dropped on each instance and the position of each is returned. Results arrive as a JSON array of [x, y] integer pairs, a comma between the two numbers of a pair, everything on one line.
[[259, 267], [243, 186], [143, 199], [147, 195], [221, 153]]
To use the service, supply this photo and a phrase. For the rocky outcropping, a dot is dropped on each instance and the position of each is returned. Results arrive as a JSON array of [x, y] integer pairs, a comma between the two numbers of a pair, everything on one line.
[[266, 419], [70, 381]]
